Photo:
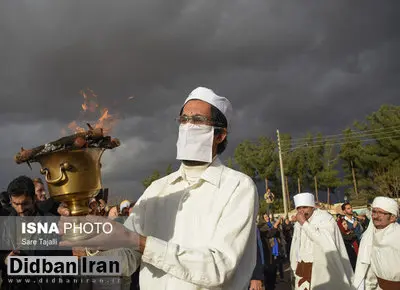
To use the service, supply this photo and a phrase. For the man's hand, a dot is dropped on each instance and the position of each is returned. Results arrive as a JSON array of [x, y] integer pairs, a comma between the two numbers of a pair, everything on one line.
[[301, 217], [355, 224], [79, 252], [63, 211], [255, 285], [277, 223], [12, 253], [115, 234]]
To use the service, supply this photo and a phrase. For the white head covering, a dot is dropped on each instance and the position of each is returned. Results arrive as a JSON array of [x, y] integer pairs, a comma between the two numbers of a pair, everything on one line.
[[92, 200], [366, 245], [304, 199], [208, 96], [387, 204], [124, 204]]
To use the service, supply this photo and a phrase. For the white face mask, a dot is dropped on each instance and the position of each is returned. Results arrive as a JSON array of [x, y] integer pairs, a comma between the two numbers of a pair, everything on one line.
[[195, 142]]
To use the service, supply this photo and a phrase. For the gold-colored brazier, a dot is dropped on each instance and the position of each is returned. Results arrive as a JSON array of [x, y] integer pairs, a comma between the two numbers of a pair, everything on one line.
[[73, 177]]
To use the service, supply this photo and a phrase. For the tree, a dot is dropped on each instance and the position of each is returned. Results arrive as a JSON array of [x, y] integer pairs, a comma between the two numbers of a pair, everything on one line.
[[298, 162], [258, 159], [380, 138], [243, 157], [229, 162], [328, 177], [381, 130], [314, 156], [156, 175], [387, 182], [351, 152], [149, 180], [169, 169]]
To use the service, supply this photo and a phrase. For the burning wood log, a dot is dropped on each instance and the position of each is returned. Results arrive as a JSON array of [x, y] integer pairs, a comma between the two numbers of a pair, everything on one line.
[[92, 138]]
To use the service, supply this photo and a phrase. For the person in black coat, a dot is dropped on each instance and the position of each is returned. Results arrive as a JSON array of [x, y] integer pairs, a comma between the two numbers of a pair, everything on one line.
[[5, 207], [268, 234], [22, 196], [350, 241], [257, 279], [48, 205], [288, 229]]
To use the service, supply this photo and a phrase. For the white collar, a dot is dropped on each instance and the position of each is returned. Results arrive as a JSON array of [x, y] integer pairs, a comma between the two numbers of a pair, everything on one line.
[[349, 220]]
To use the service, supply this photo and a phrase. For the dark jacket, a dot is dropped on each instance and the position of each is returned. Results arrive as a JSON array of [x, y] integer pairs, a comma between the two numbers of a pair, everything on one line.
[[357, 230], [258, 273], [349, 240], [31, 282], [267, 236], [6, 210], [48, 206], [288, 231]]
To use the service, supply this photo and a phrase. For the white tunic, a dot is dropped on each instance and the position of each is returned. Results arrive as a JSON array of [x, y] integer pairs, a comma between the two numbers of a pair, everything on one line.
[[305, 252], [379, 256], [319, 241], [199, 236]]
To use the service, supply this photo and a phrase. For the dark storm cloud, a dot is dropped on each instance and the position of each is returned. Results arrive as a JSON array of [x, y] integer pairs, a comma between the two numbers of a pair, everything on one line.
[[286, 65]]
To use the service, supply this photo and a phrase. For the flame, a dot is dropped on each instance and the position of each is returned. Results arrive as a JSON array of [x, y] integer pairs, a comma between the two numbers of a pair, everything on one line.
[[106, 122], [73, 126], [90, 111], [90, 102]]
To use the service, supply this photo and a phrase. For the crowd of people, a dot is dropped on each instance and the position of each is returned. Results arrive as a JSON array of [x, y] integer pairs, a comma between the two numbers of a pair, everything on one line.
[[276, 234], [197, 228], [39, 203]]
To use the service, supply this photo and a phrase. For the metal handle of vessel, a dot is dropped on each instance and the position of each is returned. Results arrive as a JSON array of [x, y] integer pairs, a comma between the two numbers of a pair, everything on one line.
[[63, 175]]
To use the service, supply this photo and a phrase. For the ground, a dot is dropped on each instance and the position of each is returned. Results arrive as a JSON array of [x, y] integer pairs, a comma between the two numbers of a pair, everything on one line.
[[284, 285]]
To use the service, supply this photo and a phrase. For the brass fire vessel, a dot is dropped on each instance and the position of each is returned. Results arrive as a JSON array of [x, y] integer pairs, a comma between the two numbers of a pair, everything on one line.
[[71, 166], [73, 177]]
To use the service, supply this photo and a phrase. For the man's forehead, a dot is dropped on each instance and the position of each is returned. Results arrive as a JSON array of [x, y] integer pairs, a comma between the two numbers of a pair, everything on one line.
[[20, 197], [304, 207], [197, 106], [380, 209]]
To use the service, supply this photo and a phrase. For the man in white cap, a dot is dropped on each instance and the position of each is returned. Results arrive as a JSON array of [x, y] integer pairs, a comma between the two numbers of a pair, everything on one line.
[[124, 207], [318, 256], [378, 263], [196, 226]]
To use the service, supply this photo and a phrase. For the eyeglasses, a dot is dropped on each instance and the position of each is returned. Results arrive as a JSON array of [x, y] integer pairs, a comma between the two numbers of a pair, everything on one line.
[[197, 120], [379, 213]]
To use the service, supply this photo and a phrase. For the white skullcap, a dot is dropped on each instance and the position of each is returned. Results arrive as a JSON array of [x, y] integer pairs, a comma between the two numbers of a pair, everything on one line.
[[304, 199], [387, 204], [124, 204], [92, 200], [208, 96]]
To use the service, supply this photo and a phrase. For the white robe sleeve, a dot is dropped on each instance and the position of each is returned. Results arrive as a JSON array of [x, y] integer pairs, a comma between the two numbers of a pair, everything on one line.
[[371, 282], [213, 265], [320, 234], [130, 258]]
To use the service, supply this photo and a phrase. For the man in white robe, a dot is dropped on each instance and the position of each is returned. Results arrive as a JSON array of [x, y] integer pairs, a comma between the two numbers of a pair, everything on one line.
[[318, 256], [378, 263], [195, 228]]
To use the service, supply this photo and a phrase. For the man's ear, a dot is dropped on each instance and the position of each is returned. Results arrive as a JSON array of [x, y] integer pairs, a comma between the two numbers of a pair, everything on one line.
[[220, 137], [393, 218]]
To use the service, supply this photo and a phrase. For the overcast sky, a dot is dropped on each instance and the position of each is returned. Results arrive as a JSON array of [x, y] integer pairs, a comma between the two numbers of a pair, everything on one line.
[[298, 66]]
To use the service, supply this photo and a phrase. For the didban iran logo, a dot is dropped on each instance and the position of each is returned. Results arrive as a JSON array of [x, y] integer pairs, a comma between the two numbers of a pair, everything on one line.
[[63, 266]]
